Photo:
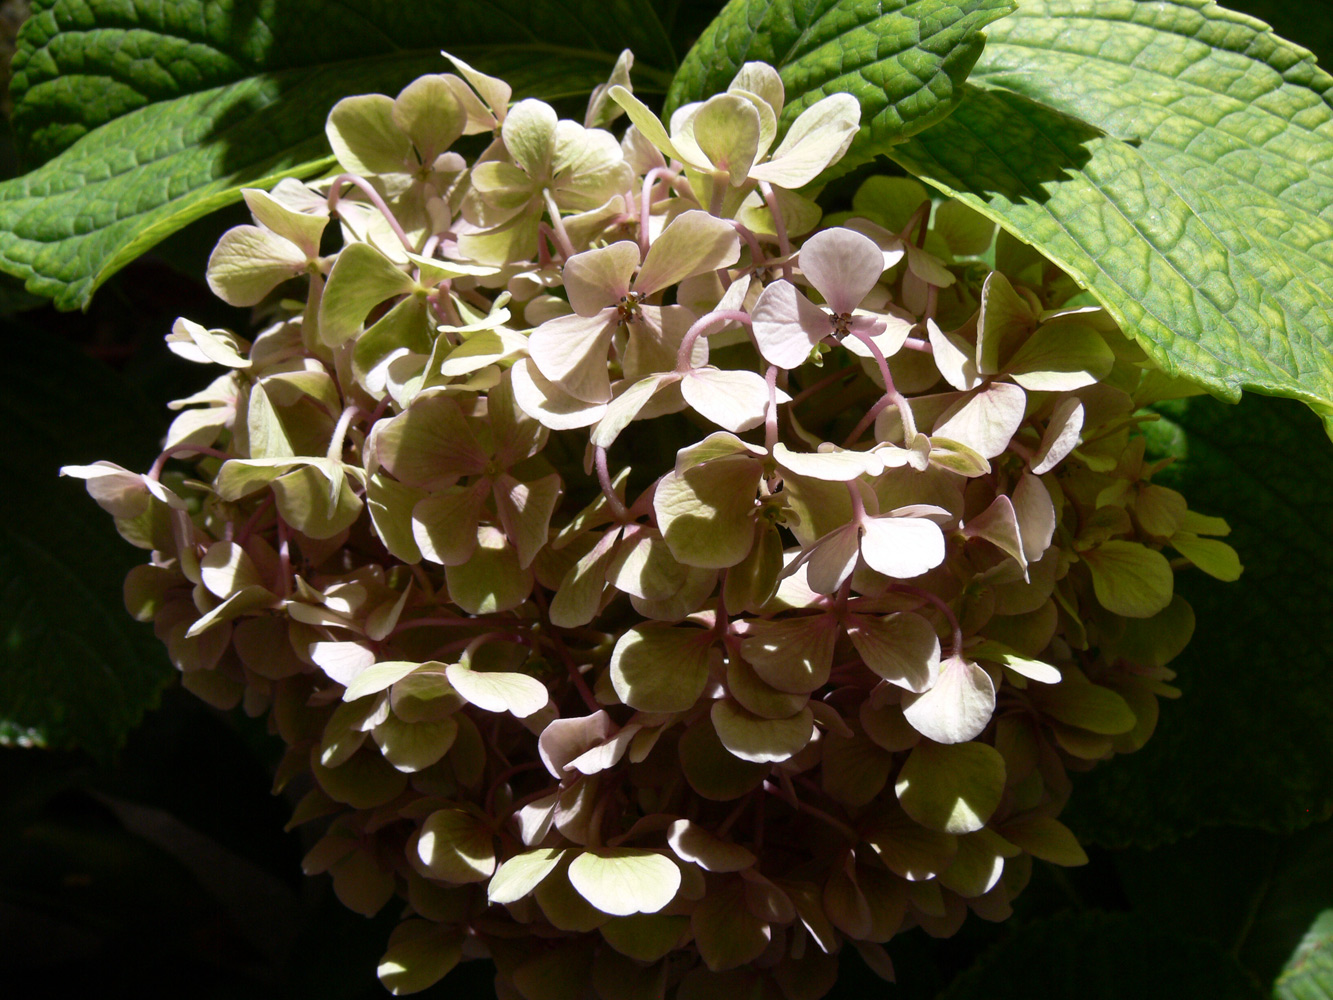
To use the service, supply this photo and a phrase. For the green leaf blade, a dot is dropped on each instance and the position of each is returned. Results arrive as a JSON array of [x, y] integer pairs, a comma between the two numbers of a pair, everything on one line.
[[150, 115], [1177, 159], [905, 60]]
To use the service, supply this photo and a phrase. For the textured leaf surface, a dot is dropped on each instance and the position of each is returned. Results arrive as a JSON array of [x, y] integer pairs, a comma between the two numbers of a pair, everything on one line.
[[158, 113], [1098, 956], [1309, 974], [905, 60], [1247, 742], [1177, 159], [75, 669]]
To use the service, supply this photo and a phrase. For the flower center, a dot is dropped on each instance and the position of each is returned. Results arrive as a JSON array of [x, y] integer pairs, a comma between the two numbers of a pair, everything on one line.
[[842, 323], [629, 307]]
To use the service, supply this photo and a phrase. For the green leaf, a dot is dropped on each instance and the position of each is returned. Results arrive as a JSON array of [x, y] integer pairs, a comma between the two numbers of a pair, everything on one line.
[[150, 115], [1244, 745], [1176, 158], [904, 60], [75, 669], [1309, 974], [1099, 956]]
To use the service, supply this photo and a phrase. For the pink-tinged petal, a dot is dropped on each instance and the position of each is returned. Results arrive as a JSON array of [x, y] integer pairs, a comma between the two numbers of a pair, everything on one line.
[[787, 325], [998, 524], [734, 400], [843, 266], [1063, 432], [902, 547], [889, 331], [957, 708], [835, 465], [1036, 516], [547, 403], [430, 444], [692, 243], [621, 411], [571, 351], [953, 357], [832, 559], [986, 421], [565, 739], [444, 525], [902, 648], [598, 278]]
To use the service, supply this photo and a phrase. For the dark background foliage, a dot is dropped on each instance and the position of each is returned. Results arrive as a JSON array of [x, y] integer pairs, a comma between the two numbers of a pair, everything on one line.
[[157, 863]]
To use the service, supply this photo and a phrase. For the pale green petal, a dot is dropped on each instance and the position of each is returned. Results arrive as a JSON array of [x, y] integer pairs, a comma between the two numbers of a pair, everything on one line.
[[517, 694], [1217, 559], [250, 262], [457, 847], [361, 279], [491, 580], [1061, 356], [364, 137], [429, 113], [624, 880], [1130, 579], [648, 124], [522, 873], [420, 954], [301, 228], [951, 789], [657, 668], [529, 135], [751, 737], [706, 511], [816, 139], [692, 243]]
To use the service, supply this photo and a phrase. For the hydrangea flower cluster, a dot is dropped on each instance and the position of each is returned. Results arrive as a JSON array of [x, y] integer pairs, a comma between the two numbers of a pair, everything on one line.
[[658, 593]]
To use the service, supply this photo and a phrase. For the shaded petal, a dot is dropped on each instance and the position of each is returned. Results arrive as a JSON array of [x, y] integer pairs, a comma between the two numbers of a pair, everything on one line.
[[787, 325], [572, 352], [598, 278], [692, 243]]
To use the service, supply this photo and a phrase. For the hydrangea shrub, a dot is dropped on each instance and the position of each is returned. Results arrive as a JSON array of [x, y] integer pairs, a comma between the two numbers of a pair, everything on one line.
[[659, 587]]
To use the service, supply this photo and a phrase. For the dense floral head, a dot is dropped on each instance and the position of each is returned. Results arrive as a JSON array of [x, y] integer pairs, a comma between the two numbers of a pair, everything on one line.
[[656, 594]]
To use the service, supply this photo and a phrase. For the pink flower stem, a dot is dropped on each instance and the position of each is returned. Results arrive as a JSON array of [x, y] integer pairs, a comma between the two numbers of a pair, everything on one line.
[[926, 595], [253, 522], [824, 383], [562, 237], [364, 186], [618, 510], [757, 255], [646, 203], [706, 322], [869, 418], [916, 344], [858, 505], [890, 391], [816, 812], [444, 621], [779, 226], [575, 676], [504, 776], [183, 449], [432, 242]]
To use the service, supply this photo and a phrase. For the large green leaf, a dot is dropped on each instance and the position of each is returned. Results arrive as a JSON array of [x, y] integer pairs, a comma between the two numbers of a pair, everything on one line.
[[1177, 159], [75, 669], [1098, 956], [905, 60], [1248, 742], [158, 113], [1309, 975]]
